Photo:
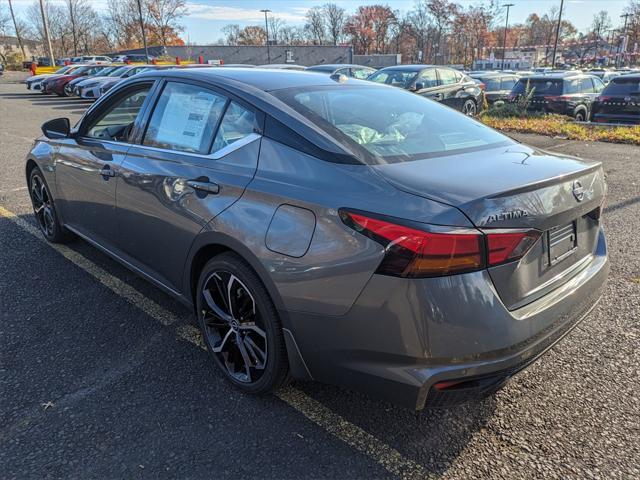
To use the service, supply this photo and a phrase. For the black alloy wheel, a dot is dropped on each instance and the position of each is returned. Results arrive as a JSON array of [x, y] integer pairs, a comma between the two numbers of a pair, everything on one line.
[[44, 209], [240, 325], [469, 108]]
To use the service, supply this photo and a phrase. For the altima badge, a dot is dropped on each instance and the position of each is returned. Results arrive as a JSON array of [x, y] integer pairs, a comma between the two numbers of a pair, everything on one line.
[[507, 215]]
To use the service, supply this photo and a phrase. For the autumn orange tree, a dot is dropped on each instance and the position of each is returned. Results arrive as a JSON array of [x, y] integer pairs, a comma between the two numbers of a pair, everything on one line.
[[370, 28]]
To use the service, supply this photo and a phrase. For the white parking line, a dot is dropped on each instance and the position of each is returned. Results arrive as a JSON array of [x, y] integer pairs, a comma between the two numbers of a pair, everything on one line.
[[354, 436]]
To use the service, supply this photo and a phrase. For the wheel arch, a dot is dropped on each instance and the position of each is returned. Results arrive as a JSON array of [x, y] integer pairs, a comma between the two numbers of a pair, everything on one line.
[[29, 166], [209, 244], [581, 108]]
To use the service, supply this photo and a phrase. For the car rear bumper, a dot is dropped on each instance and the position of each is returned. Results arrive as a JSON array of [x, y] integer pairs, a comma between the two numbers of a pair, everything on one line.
[[403, 338]]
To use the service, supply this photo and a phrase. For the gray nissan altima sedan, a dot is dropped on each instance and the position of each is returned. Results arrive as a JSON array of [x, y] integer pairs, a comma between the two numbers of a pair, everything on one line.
[[331, 229]]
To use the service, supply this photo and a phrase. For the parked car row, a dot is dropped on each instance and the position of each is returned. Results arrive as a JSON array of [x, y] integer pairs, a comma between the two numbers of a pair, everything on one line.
[[581, 95]]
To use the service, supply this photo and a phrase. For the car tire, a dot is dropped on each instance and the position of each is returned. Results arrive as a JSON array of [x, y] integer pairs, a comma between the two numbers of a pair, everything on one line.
[[580, 115], [45, 211], [240, 325], [469, 107]]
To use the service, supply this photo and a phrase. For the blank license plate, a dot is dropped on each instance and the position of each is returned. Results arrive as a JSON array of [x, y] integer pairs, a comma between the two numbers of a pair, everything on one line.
[[562, 242]]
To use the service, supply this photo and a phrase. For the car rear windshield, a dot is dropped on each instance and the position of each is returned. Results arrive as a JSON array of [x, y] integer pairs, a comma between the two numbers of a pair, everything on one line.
[[387, 125], [397, 78], [542, 86], [119, 71], [623, 86], [491, 83]]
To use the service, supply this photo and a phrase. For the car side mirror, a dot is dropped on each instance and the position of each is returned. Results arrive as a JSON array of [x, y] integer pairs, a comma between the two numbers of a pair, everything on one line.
[[56, 128], [419, 85]]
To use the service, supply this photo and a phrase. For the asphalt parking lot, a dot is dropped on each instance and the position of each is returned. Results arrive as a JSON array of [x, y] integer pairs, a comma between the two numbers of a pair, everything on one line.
[[102, 375]]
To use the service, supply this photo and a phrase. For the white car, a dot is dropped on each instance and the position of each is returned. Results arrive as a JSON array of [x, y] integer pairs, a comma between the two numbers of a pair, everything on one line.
[[95, 59], [91, 88], [33, 82]]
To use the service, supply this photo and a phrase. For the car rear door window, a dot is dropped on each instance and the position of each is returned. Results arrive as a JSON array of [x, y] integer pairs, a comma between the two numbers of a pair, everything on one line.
[[447, 77], [507, 83], [361, 73], [184, 118], [571, 86], [586, 85], [238, 122], [428, 78], [116, 122]]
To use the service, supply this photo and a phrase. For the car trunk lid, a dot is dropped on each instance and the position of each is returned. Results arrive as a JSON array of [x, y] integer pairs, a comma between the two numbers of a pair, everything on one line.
[[516, 187]]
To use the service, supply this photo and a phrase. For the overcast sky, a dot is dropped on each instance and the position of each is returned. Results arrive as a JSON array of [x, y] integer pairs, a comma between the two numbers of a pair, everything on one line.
[[207, 17]]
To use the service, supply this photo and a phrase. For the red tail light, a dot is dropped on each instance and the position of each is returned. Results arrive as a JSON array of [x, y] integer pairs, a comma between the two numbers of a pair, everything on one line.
[[415, 253], [506, 247], [482, 86], [557, 98]]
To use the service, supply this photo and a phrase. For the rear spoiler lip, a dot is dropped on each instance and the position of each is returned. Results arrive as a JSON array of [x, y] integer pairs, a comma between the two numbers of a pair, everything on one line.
[[548, 182]]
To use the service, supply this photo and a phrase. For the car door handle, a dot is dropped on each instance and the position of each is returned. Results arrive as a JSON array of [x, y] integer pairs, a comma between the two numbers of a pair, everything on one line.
[[107, 172], [204, 186]]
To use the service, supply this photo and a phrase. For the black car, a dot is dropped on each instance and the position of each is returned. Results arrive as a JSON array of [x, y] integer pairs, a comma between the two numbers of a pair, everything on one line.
[[443, 84], [619, 102], [355, 71], [563, 93], [497, 86]]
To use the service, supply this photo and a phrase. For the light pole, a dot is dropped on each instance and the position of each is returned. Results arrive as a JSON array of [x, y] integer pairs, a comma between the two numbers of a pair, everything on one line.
[[555, 44], [504, 40], [620, 50], [266, 29], [144, 35]]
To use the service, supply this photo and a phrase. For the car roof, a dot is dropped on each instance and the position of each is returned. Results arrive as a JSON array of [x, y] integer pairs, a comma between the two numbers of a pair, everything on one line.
[[262, 79], [410, 68], [557, 76], [492, 74], [633, 76], [335, 66]]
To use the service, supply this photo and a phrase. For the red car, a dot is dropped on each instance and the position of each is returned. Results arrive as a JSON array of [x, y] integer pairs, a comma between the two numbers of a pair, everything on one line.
[[56, 85]]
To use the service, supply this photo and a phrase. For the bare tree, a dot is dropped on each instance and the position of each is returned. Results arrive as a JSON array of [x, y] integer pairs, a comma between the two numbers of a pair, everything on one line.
[[5, 19], [291, 35], [17, 29], [335, 19], [420, 26], [315, 25], [601, 23], [231, 33], [165, 15], [276, 24]]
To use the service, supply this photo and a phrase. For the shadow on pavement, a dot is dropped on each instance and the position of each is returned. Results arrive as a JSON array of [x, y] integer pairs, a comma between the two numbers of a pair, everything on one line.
[[433, 438]]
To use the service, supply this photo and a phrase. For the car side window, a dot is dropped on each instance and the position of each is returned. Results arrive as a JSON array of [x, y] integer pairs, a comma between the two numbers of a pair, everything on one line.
[[428, 78], [598, 84], [184, 118], [116, 123], [571, 86], [507, 83], [586, 86], [237, 123], [447, 77], [361, 73]]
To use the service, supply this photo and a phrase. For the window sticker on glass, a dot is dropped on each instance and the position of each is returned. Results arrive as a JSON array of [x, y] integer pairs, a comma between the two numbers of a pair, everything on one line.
[[184, 118]]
